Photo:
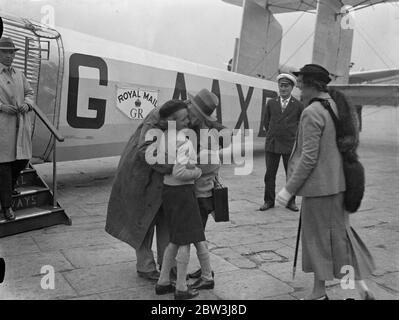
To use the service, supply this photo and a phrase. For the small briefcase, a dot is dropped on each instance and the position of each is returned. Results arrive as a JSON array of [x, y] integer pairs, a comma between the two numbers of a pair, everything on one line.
[[220, 202]]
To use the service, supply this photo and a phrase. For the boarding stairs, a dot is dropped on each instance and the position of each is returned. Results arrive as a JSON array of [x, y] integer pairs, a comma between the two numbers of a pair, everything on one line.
[[34, 206]]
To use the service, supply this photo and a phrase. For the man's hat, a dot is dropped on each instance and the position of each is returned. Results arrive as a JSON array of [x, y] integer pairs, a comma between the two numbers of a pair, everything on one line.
[[205, 102], [315, 70], [287, 76], [7, 44]]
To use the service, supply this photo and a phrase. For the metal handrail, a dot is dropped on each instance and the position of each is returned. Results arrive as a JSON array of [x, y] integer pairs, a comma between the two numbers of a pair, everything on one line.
[[48, 124], [42, 31], [36, 29], [58, 137]]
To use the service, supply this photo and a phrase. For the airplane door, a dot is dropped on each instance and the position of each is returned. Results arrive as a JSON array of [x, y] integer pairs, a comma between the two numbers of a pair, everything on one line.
[[41, 60]]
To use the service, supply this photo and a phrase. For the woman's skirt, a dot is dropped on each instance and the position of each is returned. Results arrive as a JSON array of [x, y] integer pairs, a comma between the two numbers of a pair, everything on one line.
[[329, 243], [181, 208]]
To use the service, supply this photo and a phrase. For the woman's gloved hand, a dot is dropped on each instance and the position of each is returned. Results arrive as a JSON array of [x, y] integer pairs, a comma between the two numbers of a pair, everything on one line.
[[283, 197]]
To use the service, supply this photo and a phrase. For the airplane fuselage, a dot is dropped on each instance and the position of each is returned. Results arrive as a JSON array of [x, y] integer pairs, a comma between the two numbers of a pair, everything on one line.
[[108, 88]]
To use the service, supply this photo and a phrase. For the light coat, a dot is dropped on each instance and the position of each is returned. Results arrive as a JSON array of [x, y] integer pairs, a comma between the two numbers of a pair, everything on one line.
[[315, 167], [15, 129]]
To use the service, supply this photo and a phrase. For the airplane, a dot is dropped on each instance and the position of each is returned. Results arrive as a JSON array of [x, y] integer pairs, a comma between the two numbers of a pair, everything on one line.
[[373, 76], [83, 82], [79, 77]]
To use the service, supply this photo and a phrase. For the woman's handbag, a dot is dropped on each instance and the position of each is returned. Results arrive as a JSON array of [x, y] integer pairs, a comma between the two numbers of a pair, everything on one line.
[[353, 169], [220, 202]]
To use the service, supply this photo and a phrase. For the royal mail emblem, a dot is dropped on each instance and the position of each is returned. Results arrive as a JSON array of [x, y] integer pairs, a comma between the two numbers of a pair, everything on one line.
[[136, 103]]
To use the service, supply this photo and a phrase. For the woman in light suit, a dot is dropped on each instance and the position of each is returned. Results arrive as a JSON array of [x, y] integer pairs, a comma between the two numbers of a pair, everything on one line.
[[315, 172]]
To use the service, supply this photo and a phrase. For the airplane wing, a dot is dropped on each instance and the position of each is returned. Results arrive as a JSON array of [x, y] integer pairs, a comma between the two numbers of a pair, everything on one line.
[[363, 76], [370, 94], [283, 6]]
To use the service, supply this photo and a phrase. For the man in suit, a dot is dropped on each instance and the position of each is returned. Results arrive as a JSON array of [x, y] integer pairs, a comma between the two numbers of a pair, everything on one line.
[[282, 116]]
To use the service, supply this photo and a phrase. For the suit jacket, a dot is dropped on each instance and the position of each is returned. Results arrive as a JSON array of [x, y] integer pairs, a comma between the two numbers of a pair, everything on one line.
[[315, 166], [281, 126]]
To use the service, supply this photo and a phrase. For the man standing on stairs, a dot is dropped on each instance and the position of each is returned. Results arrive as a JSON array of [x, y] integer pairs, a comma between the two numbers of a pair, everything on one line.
[[16, 101], [281, 123]]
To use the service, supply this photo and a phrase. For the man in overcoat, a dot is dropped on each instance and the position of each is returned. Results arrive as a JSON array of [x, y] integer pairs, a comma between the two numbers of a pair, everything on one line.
[[135, 204], [16, 101], [281, 123]]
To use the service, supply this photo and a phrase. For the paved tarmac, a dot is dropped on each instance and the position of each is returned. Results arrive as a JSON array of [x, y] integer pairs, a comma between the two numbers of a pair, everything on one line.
[[251, 255]]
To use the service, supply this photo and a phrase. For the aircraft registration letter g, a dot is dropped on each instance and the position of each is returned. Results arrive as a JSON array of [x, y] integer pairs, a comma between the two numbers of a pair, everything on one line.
[[81, 60]]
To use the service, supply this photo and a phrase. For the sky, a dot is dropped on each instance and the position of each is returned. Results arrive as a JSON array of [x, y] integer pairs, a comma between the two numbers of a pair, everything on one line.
[[204, 31]]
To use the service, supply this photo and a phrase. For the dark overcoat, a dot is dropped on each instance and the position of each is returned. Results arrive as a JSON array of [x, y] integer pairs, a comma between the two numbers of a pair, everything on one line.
[[136, 194], [281, 127]]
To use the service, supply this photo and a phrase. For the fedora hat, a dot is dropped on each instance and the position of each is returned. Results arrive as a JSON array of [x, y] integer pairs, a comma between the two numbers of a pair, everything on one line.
[[7, 44], [205, 103], [315, 70]]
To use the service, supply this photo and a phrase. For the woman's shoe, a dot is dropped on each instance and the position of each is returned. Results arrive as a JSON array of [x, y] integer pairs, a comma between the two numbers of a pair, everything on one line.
[[195, 275], [152, 275], [325, 297], [164, 289], [368, 295], [203, 284], [185, 295]]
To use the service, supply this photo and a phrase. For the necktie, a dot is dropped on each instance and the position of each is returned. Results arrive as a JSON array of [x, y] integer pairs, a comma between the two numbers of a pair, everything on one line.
[[284, 105]]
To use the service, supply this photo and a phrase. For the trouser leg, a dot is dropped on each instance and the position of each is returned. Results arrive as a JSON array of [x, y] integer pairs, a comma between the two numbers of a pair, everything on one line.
[[144, 254], [6, 185], [17, 167], [162, 229], [286, 157], [272, 162]]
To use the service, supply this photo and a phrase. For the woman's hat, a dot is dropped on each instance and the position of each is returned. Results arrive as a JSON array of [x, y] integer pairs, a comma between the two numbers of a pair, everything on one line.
[[316, 71], [7, 44], [170, 107], [205, 102]]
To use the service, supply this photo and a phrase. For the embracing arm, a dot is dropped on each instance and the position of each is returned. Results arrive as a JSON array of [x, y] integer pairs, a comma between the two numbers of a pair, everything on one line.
[[184, 169], [147, 140], [181, 172]]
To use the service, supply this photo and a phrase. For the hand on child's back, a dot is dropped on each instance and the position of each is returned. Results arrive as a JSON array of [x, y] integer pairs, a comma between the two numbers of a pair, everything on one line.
[[190, 166]]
